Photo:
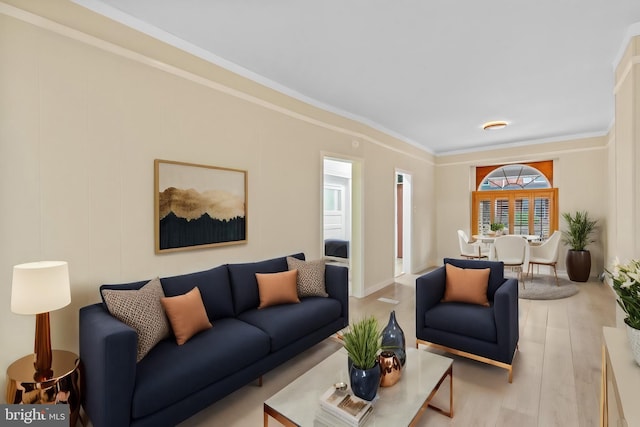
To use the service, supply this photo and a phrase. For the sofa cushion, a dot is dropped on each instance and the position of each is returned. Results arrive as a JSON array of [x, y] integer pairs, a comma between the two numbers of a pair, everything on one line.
[[132, 286], [496, 273], [171, 373], [471, 320], [466, 285], [277, 288], [310, 280], [288, 323], [186, 314], [244, 285], [140, 309], [214, 287]]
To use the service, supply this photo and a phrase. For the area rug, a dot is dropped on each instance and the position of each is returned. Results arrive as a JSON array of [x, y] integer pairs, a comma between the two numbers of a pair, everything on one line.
[[544, 287]]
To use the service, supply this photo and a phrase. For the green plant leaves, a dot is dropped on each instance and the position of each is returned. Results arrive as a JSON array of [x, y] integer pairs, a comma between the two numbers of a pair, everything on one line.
[[578, 235], [363, 341]]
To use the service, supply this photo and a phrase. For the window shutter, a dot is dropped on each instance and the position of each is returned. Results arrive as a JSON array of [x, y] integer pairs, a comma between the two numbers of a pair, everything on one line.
[[541, 217]]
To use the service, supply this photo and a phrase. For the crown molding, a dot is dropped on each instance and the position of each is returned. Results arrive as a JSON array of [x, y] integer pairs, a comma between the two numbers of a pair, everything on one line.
[[71, 33], [170, 39], [632, 31]]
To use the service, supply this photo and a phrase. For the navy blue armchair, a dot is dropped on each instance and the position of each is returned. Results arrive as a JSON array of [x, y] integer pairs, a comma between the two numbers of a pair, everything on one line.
[[487, 334]]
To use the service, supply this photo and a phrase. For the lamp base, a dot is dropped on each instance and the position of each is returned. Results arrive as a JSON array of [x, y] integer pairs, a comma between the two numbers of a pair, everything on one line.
[[42, 348]]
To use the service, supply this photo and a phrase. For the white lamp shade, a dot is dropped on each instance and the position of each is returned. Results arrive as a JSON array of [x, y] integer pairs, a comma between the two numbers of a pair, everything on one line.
[[40, 287]]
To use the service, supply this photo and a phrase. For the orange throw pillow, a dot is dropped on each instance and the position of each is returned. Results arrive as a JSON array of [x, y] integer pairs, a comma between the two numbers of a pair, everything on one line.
[[186, 314], [277, 288], [466, 285]]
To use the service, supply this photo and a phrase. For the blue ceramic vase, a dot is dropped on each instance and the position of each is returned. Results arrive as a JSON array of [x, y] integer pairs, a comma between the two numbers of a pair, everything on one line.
[[365, 382], [393, 338]]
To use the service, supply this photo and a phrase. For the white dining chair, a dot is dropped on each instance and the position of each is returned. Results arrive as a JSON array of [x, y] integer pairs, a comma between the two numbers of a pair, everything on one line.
[[513, 251], [471, 250], [546, 254]]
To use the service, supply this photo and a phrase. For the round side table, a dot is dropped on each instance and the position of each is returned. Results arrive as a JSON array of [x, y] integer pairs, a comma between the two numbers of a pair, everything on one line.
[[62, 386]]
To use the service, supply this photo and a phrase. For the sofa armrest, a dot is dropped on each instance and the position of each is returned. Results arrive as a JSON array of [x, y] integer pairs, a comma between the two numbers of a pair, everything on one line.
[[336, 280], [429, 292], [108, 350], [506, 317]]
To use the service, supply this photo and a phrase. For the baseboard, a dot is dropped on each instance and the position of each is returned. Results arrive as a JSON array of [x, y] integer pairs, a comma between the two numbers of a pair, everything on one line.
[[375, 288]]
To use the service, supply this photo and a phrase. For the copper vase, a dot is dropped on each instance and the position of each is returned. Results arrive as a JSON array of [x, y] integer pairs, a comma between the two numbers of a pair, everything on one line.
[[390, 368]]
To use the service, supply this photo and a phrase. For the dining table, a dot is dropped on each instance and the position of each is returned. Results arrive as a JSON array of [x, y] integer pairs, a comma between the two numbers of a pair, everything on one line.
[[486, 238]]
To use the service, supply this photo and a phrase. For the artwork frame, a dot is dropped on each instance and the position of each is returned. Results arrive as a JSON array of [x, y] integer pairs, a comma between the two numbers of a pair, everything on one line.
[[198, 206]]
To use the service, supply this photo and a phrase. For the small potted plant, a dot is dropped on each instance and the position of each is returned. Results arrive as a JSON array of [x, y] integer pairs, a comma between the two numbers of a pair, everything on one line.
[[577, 236], [363, 343], [496, 228]]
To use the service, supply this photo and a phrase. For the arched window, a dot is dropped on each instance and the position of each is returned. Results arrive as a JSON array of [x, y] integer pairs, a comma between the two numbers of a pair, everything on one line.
[[514, 177], [519, 196]]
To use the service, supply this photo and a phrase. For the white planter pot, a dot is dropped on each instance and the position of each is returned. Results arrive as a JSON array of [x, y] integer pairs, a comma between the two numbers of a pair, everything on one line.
[[634, 342]]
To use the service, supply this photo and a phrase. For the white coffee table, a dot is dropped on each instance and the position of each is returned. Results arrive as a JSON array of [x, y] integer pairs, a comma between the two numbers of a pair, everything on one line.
[[399, 405]]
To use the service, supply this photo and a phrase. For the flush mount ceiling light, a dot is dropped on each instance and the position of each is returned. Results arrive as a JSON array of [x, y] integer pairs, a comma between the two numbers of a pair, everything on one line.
[[495, 125]]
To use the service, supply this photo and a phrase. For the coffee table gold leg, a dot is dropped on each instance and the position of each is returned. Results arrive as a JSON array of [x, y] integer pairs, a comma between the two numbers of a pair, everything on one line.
[[451, 392], [269, 411], [449, 413], [427, 403]]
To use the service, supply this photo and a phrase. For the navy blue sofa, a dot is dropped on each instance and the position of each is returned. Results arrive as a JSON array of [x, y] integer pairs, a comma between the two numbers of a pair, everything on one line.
[[488, 334], [173, 382]]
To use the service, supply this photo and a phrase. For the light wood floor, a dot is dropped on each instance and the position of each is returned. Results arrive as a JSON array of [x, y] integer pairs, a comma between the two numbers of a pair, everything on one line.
[[556, 380]]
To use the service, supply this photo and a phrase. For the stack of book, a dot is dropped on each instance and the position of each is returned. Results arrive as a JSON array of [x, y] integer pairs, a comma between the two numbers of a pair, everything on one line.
[[342, 407]]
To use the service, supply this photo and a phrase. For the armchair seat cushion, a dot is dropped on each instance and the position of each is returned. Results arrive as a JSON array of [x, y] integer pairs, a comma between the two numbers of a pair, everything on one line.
[[470, 320]]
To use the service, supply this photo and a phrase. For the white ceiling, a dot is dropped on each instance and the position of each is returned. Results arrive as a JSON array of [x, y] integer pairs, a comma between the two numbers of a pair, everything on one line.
[[430, 72]]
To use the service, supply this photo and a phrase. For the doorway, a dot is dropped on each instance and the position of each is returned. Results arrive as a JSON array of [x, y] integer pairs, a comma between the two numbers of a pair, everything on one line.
[[341, 217], [403, 207]]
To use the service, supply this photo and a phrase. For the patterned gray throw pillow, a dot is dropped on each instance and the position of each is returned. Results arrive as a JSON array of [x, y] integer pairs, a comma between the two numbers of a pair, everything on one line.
[[142, 311], [310, 277]]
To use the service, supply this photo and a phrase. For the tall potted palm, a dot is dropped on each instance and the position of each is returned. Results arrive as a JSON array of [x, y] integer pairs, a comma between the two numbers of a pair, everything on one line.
[[577, 236]]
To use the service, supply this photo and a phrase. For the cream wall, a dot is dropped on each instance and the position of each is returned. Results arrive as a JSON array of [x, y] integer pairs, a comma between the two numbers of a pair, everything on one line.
[[580, 174], [625, 156], [87, 104], [81, 120], [624, 182]]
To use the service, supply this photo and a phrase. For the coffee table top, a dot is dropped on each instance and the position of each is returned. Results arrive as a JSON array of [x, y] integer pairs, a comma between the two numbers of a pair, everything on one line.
[[395, 405]]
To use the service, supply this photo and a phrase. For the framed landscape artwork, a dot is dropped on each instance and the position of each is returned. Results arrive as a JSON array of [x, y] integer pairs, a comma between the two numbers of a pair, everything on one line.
[[198, 206]]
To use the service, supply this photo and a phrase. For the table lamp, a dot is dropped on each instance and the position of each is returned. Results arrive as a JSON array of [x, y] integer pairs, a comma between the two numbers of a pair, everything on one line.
[[38, 288]]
